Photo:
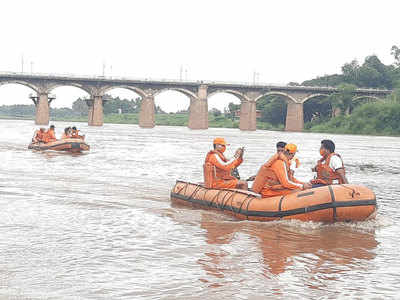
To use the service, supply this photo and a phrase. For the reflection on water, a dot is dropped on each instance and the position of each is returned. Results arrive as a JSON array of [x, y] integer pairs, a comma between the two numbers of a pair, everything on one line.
[[280, 244], [101, 226]]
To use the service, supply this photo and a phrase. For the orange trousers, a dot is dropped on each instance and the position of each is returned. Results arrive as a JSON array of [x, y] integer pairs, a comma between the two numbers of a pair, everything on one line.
[[225, 184]]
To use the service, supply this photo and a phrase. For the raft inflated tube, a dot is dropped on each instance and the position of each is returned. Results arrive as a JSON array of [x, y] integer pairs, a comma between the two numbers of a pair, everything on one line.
[[323, 204], [69, 145]]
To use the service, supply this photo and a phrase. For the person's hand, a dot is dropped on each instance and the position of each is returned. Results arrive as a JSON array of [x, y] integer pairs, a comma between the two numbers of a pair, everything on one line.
[[251, 178], [307, 186], [238, 153]]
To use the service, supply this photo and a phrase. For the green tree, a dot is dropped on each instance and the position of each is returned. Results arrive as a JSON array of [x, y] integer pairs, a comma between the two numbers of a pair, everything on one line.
[[273, 109], [395, 51], [80, 107]]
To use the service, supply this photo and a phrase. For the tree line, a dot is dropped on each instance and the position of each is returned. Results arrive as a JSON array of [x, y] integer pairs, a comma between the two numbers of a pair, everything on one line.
[[79, 108]]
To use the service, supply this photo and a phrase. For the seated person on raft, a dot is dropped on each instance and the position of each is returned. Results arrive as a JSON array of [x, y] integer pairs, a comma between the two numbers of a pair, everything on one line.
[[67, 133], [330, 168], [280, 147], [217, 168], [39, 136], [274, 177], [50, 135], [75, 133]]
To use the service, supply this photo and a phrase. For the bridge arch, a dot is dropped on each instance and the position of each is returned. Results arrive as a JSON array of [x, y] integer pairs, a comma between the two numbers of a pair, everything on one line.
[[277, 94], [237, 94], [137, 90], [314, 96], [185, 92], [20, 82], [357, 98], [51, 87]]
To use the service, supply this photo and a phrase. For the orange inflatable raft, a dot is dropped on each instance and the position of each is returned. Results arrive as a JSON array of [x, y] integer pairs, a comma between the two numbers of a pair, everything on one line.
[[331, 203], [70, 145]]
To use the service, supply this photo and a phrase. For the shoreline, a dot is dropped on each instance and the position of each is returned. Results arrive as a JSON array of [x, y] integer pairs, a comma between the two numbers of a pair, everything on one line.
[[211, 124]]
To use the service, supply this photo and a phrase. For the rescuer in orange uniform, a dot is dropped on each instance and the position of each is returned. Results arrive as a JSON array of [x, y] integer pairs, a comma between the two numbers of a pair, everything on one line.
[[274, 177], [39, 135], [50, 135], [217, 168], [330, 168]]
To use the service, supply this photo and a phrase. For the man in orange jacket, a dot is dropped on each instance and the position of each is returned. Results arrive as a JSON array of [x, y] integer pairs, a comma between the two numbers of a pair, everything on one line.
[[217, 168], [274, 177], [50, 136], [330, 168]]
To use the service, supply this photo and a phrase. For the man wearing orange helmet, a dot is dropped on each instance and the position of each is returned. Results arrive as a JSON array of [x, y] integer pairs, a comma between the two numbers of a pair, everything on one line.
[[217, 168], [274, 177]]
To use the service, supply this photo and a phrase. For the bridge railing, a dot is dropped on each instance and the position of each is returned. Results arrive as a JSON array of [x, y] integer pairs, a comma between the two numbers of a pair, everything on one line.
[[164, 80]]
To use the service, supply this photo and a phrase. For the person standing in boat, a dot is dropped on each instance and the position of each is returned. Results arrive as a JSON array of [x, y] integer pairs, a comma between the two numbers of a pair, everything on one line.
[[217, 168], [330, 168], [275, 178]]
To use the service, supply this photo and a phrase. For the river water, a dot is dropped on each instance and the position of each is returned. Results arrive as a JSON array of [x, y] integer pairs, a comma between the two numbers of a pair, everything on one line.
[[101, 225]]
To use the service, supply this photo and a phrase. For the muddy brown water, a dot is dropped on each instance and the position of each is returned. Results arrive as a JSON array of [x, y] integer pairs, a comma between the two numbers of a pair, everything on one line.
[[101, 225]]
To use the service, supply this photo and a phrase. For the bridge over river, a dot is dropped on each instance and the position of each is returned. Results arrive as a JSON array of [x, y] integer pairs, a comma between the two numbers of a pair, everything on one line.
[[197, 91]]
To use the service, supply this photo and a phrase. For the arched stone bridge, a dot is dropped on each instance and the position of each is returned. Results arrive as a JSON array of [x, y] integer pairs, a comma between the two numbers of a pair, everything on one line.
[[198, 92]]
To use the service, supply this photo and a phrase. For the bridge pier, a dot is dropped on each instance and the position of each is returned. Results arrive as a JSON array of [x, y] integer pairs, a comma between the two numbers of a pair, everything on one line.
[[198, 110], [147, 113], [95, 115], [294, 117], [42, 109], [248, 117]]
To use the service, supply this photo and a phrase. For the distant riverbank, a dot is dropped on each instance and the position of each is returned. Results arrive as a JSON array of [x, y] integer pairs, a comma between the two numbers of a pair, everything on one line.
[[369, 119], [160, 120]]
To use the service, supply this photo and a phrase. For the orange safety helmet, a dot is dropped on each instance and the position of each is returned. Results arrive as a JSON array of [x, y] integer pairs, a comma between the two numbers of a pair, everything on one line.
[[220, 141], [291, 148]]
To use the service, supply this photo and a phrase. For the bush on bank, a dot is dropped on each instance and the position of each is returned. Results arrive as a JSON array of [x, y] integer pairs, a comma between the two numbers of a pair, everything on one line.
[[381, 118]]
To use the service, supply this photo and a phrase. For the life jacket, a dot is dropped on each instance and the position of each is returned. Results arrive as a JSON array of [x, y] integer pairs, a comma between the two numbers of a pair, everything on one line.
[[49, 136], [74, 133], [39, 136], [266, 177], [212, 173], [325, 174]]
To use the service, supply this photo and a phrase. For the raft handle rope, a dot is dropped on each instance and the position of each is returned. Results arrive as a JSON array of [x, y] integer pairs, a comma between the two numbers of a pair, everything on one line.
[[241, 205], [195, 192], [212, 200], [247, 208], [222, 205], [229, 198], [353, 191]]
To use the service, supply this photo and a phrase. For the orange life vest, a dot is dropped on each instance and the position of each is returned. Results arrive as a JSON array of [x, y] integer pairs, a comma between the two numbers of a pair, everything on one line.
[[267, 177], [211, 173], [325, 174], [49, 136], [74, 133], [39, 136]]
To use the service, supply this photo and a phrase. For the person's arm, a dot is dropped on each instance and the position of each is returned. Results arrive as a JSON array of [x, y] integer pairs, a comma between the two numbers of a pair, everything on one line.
[[280, 170], [342, 175], [226, 166], [337, 165]]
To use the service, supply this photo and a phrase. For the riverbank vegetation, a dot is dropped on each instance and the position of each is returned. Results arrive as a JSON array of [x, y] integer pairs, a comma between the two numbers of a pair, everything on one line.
[[338, 113]]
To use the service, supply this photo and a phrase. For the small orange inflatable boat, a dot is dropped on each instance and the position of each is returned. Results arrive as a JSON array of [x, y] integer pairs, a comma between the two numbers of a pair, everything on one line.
[[70, 145], [331, 203]]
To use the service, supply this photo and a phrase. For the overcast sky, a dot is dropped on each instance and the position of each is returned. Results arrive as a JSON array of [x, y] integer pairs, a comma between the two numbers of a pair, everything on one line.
[[282, 41]]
